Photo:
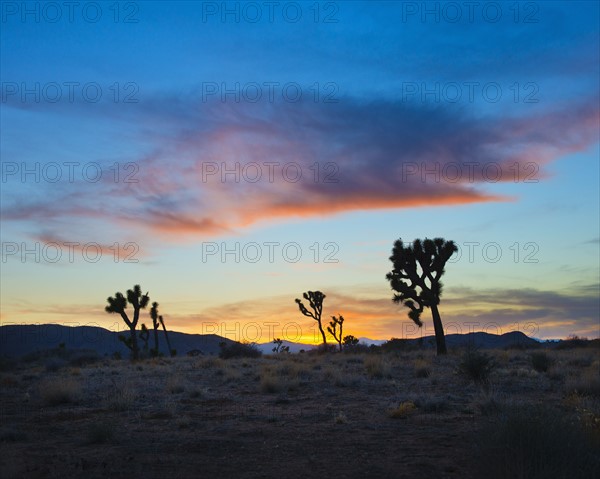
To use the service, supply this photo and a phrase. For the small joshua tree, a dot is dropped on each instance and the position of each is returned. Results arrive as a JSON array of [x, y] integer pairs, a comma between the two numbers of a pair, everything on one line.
[[332, 329], [155, 325], [315, 301], [415, 279], [118, 304], [350, 341], [279, 347]]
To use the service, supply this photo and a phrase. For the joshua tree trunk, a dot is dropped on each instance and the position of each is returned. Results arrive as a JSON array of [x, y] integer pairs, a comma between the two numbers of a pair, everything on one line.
[[134, 344], [440, 339], [322, 333], [156, 340], [166, 336]]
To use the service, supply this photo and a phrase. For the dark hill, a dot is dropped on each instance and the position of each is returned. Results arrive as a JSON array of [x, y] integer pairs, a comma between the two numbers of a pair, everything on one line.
[[19, 340]]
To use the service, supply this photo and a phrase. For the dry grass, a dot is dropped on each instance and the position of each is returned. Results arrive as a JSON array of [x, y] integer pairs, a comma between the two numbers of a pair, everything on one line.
[[377, 366], [121, 396], [405, 409], [229, 412], [422, 368], [587, 383], [277, 379], [340, 418]]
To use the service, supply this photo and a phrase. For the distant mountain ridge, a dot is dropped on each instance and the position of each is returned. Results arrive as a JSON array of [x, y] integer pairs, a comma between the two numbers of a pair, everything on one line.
[[19, 340], [481, 340]]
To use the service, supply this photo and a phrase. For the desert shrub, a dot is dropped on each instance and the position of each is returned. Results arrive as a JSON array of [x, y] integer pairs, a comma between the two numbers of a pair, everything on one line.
[[488, 403], [175, 385], [540, 361], [422, 369], [582, 361], [285, 377], [122, 396], [239, 350], [476, 365], [536, 442], [340, 418], [59, 391], [271, 382], [210, 363], [294, 370], [377, 366], [405, 409], [588, 384]]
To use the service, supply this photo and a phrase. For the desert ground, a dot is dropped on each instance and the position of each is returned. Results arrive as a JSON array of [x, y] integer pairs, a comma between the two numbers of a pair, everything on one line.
[[395, 415]]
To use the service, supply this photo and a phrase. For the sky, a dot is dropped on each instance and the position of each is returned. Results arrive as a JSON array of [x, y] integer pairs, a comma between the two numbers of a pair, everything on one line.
[[229, 156]]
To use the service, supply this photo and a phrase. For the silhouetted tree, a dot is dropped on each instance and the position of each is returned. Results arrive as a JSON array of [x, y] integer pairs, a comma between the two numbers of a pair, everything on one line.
[[315, 301], [332, 328], [415, 279], [279, 347], [118, 304], [155, 324], [350, 341]]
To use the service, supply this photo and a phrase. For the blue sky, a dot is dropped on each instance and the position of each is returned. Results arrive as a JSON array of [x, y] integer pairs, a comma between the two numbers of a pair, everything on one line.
[[515, 95]]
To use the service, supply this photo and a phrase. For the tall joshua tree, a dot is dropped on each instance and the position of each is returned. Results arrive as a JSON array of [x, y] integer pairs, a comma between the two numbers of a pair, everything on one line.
[[315, 301], [415, 279], [118, 304], [332, 329], [155, 324]]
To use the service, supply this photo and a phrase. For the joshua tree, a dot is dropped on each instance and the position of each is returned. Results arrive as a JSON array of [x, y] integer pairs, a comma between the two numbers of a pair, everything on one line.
[[315, 301], [332, 328], [155, 325], [279, 347], [415, 279], [118, 304]]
